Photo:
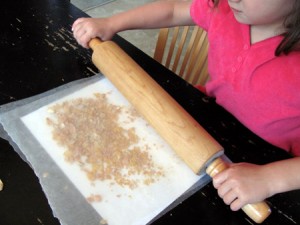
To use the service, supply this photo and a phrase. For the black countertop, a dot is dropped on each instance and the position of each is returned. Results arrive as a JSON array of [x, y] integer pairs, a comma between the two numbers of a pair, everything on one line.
[[38, 53]]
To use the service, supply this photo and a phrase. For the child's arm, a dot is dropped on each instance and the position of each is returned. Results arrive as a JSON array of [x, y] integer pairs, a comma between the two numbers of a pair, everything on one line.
[[154, 15], [245, 183]]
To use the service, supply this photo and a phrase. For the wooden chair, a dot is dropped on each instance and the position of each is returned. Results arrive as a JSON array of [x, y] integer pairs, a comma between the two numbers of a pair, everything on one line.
[[185, 54]]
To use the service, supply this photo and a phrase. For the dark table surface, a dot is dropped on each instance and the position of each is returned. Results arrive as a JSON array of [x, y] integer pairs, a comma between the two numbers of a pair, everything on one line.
[[38, 53]]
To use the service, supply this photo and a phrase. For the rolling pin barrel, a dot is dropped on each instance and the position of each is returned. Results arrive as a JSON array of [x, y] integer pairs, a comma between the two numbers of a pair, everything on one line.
[[187, 138]]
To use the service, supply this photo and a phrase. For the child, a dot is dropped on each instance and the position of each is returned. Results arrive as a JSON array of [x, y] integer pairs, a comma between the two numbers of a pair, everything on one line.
[[254, 74]]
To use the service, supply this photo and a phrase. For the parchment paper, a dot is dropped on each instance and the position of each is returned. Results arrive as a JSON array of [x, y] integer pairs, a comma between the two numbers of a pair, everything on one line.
[[67, 187]]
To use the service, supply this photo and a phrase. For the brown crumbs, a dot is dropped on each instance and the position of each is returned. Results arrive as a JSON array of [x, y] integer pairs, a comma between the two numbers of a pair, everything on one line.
[[89, 130], [94, 198]]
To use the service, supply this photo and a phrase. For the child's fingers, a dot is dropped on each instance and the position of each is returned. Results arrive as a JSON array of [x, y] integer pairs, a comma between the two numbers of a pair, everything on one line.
[[219, 179], [78, 21], [236, 204]]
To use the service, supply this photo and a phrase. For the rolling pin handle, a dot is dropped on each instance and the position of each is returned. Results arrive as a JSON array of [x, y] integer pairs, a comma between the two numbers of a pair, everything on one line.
[[258, 212], [94, 42]]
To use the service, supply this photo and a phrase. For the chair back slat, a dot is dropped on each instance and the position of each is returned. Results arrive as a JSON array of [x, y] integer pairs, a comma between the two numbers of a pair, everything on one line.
[[186, 54], [161, 44], [180, 48], [172, 46]]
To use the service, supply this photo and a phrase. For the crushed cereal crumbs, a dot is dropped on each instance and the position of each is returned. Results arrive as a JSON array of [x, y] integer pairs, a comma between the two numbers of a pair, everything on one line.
[[89, 130]]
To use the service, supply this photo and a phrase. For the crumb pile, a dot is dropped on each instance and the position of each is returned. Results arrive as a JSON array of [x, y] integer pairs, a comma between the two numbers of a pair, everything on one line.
[[89, 130]]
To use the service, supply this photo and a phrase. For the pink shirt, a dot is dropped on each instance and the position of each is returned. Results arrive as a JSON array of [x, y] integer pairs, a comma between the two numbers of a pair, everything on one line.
[[262, 91]]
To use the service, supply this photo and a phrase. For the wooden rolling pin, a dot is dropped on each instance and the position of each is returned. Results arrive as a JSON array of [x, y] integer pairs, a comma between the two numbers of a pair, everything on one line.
[[187, 138]]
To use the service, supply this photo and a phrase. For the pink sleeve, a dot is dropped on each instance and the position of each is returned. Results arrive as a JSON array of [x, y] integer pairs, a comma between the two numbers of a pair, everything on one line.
[[201, 11]]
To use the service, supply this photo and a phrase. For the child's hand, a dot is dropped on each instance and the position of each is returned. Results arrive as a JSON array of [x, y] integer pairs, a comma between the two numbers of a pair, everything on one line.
[[84, 29], [243, 183]]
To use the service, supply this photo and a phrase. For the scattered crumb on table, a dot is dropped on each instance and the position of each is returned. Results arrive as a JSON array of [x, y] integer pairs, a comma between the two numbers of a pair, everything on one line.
[[1, 185]]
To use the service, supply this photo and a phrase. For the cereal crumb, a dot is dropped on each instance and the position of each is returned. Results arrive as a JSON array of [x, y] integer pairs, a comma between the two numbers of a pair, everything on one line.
[[45, 175], [1, 185], [94, 198], [103, 221]]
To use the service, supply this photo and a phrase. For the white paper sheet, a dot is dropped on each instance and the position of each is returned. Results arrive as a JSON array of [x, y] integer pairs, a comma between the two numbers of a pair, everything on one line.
[[119, 206]]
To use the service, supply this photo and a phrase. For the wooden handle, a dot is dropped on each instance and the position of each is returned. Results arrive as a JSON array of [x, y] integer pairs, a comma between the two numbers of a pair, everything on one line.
[[258, 212], [188, 139]]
